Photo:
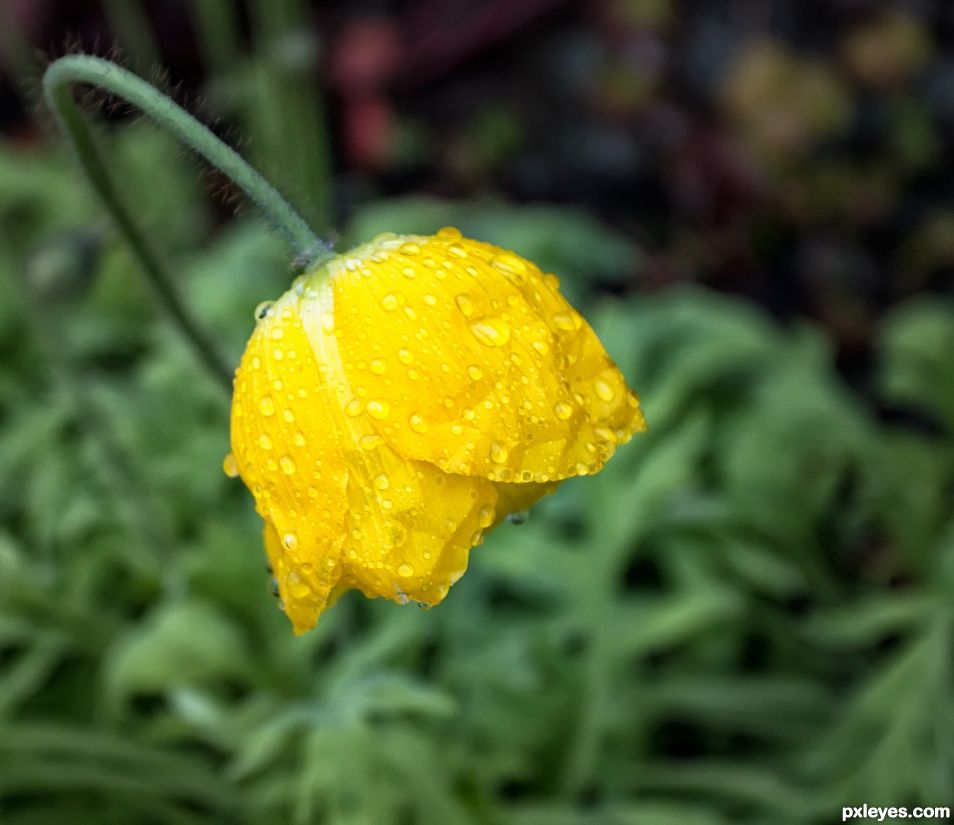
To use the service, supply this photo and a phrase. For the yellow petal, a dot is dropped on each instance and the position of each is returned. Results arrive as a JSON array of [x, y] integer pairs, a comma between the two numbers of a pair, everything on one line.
[[476, 362], [287, 452], [401, 400], [410, 525]]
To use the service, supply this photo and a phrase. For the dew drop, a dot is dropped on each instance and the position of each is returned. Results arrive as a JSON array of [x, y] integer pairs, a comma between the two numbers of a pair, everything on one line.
[[288, 414], [262, 310], [603, 390], [230, 466], [465, 304], [370, 442], [552, 281], [409, 248], [382, 482], [354, 407], [287, 463], [475, 372], [456, 429], [510, 264], [491, 332], [290, 540], [449, 232], [605, 434], [417, 423], [278, 353], [378, 410], [278, 333], [266, 406], [327, 323], [485, 516], [566, 321], [498, 452], [541, 346], [390, 301], [378, 366], [297, 587], [429, 299], [264, 441], [405, 570], [562, 410], [299, 439], [408, 271], [456, 250], [405, 356]]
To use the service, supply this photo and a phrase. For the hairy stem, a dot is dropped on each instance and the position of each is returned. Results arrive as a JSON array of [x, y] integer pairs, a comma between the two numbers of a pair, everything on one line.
[[57, 83]]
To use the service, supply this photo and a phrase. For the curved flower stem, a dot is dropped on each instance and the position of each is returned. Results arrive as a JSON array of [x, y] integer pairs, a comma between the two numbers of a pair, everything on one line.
[[57, 82]]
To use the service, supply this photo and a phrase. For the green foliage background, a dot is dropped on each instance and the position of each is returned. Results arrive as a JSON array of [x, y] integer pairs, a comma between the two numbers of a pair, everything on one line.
[[746, 618]]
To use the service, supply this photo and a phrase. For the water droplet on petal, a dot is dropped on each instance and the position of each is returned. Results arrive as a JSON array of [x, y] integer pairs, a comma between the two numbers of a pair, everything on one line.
[[498, 452], [230, 466], [485, 516], [287, 463], [405, 570], [465, 304], [562, 410], [491, 331], [297, 587], [327, 323], [605, 434], [299, 439], [278, 353], [370, 442], [418, 424], [378, 366], [290, 540], [266, 406], [541, 346], [409, 248], [405, 356], [264, 441], [408, 271], [278, 333], [603, 390], [450, 232], [510, 264], [382, 482], [567, 321], [354, 407], [378, 410], [288, 414], [262, 310], [390, 301], [475, 372]]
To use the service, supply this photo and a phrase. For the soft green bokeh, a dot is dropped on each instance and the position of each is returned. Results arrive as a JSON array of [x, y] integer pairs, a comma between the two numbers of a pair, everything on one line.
[[746, 618]]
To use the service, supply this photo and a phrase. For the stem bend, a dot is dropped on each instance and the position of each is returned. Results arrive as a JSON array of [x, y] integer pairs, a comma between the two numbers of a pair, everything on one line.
[[57, 82]]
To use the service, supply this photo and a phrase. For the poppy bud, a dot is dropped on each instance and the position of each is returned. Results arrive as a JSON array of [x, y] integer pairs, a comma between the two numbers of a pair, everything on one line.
[[400, 401]]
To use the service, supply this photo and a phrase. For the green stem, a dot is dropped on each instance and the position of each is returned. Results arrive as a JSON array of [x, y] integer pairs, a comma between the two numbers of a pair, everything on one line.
[[57, 82]]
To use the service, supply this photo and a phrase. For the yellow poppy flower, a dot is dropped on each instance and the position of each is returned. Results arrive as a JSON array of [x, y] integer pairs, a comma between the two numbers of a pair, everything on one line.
[[400, 401]]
